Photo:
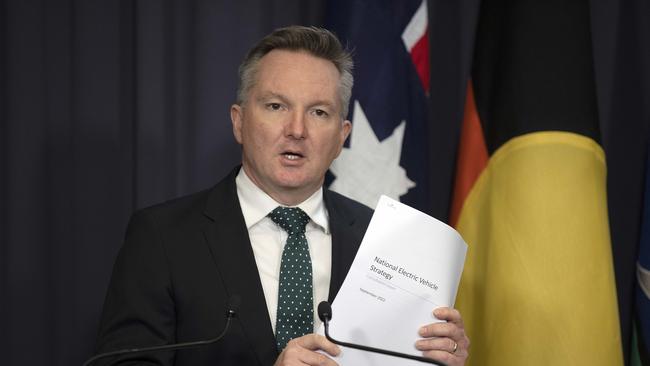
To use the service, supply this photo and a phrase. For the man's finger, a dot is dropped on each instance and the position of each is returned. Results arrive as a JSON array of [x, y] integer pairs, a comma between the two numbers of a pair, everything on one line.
[[442, 344], [302, 351], [450, 330], [449, 314], [317, 359], [446, 357], [315, 342]]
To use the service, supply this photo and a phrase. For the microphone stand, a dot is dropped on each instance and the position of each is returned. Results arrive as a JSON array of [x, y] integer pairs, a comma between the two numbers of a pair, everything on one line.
[[169, 347]]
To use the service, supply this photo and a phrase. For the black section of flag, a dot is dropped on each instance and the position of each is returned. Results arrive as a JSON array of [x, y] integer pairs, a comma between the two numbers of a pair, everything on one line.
[[533, 69]]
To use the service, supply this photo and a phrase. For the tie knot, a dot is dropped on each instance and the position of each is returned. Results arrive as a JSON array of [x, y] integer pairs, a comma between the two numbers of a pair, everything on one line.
[[292, 219]]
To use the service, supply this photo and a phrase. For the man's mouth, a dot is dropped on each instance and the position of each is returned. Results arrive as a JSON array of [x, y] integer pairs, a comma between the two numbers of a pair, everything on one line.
[[292, 155]]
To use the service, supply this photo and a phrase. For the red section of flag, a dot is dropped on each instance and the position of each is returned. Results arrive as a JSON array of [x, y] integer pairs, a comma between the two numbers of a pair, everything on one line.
[[420, 57], [472, 156]]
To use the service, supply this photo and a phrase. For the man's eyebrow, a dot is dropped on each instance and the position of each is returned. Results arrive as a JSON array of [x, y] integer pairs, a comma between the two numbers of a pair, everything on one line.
[[325, 103], [264, 96], [271, 95]]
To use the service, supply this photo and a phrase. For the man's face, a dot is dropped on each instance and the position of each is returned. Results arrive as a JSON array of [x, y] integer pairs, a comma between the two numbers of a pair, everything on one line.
[[290, 126]]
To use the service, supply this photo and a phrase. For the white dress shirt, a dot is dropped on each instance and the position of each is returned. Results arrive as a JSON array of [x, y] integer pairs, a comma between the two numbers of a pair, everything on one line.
[[268, 239]]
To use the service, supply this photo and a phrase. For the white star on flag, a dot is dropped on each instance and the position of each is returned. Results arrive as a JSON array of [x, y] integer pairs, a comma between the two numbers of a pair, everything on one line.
[[370, 168]]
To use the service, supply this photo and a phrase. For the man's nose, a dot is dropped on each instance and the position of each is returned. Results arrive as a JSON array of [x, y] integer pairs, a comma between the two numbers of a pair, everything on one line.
[[296, 125]]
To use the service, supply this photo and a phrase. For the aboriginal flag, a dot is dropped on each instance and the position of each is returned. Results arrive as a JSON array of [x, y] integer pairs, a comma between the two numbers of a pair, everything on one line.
[[530, 195], [641, 350]]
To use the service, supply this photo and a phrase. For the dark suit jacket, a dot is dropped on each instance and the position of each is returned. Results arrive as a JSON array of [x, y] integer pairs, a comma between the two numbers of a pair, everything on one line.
[[181, 262]]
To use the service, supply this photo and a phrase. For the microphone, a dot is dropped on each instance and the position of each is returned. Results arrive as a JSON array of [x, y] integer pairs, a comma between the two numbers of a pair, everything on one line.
[[233, 305], [325, 315]]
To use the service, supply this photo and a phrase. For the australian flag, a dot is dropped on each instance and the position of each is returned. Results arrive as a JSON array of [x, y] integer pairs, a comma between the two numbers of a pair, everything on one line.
[[387, 152]]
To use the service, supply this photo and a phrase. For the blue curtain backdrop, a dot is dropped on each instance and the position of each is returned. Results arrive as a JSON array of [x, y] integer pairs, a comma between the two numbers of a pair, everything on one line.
[[107, 106]]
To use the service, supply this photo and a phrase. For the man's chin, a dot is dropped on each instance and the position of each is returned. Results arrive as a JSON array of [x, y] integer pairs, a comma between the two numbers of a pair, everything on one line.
[[298, 183], [294, 185]]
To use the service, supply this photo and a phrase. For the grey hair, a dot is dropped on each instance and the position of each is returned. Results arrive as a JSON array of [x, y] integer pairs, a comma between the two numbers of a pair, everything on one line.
[[316, 41]]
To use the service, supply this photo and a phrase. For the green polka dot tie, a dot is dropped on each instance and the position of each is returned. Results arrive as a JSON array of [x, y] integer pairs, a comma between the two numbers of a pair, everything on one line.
[[295, 316]]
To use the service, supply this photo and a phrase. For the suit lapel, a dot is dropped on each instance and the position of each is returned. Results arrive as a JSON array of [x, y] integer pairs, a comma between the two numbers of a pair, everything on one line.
[[345, 241], [229, 243], [231, 250]]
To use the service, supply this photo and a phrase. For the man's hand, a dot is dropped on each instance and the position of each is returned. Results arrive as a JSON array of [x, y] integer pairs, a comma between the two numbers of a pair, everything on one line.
[[445, 342], [302, 351]]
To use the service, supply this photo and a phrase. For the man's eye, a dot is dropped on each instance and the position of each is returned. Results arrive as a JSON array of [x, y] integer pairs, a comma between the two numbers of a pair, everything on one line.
[[274, 106], [320, 113]]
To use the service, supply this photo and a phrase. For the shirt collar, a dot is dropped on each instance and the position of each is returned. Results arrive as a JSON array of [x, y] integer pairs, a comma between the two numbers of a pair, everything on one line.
[[256, 204]]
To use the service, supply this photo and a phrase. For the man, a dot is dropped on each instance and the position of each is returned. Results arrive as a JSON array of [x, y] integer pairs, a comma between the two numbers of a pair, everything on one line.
[[182, 260]]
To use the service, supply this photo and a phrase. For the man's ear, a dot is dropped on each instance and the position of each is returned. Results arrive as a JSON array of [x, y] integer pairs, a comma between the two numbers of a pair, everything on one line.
[[346, 129], [236, 117]]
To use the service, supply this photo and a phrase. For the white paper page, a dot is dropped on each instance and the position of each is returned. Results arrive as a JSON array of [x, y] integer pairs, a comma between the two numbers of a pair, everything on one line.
[[407, 265]]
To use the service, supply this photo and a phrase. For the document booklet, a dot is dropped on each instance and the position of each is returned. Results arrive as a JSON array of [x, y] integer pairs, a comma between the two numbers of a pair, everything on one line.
[[408, 264]]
